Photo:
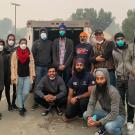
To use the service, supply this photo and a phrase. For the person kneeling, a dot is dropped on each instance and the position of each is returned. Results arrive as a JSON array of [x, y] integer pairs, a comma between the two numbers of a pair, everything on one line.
[[111, 117], [51, 91], [80, 86]]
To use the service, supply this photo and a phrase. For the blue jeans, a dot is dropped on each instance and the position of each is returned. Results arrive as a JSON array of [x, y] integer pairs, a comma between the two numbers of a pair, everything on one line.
[[23, 88], [112, 127], [40, 72]]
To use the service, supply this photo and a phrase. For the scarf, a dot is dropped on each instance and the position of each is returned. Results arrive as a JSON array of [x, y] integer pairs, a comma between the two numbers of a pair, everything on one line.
[[23, 55]]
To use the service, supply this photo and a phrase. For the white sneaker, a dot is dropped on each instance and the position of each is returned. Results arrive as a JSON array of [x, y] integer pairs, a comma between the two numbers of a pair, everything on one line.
[[130, 126]]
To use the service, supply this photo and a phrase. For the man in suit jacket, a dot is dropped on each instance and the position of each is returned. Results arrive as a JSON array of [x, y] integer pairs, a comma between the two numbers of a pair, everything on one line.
[[63, 54]]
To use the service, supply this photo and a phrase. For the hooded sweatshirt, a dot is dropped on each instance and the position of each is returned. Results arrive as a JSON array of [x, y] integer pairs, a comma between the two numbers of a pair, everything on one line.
[[110, 102], [42, 50], [122, 61]]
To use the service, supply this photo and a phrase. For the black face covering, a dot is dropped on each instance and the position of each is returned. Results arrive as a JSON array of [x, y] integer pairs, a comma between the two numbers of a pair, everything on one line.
[[101, 88], [79, 74]]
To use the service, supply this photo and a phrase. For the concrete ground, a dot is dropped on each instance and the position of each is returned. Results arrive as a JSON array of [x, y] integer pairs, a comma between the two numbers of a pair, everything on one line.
[[35, 124]]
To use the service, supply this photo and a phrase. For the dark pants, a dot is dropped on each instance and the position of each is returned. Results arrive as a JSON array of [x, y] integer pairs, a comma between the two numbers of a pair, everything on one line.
[[122, 86], [77, 109], [66, 75], [46, 105], [7, 93], [112, 77]]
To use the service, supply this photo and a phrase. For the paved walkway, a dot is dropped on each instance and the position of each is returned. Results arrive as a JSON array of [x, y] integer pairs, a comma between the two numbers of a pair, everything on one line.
[[35, 124]]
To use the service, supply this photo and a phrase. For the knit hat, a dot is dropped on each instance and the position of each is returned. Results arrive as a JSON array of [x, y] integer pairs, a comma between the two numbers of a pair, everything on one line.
[[118, 35], [62, 26]]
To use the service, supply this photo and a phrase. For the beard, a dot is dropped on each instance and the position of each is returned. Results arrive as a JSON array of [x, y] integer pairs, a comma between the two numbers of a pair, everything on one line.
[[101, 88], [79, 72]]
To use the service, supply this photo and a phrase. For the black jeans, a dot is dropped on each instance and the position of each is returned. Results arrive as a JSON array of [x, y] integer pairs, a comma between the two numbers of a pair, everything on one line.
[[77, 109], [66, 75], [61, 102], [122, 86], [7, 93]]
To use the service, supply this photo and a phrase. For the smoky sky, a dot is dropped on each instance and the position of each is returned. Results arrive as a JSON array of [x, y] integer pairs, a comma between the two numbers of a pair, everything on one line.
[[52, 9]]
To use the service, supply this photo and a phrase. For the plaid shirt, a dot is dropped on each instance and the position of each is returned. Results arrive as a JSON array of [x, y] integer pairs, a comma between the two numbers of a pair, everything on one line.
[[62, 50]]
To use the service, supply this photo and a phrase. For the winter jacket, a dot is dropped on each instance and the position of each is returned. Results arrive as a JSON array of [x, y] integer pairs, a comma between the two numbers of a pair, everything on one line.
[[14, 68], [8, 51], [123, 61], [68, 58], [106, 51], [42, 51], [1, 71]]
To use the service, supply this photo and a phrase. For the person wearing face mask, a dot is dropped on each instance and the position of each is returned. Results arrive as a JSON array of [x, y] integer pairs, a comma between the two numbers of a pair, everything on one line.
[[42, 53], [22, 73], [63, 54], [123, 64], [51, 91], [111, 117], [84, 50], [10, 47], [2, 71], [80, 86], [103, 54]]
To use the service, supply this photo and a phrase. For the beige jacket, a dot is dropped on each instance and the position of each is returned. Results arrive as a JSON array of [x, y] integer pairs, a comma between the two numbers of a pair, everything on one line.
[[14, 66]]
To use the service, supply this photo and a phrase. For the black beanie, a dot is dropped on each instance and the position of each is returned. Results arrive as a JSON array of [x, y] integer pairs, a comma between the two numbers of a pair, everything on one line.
[[119, 34]]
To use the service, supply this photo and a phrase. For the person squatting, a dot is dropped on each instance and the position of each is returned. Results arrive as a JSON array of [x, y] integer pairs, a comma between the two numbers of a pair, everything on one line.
[[71, 78]]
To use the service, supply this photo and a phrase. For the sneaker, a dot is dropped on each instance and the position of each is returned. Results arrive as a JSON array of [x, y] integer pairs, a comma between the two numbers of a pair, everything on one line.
[[35, 106], [45, 113], [100, 132], [21, 112], [14, 107], [130, 126], [59, 111]]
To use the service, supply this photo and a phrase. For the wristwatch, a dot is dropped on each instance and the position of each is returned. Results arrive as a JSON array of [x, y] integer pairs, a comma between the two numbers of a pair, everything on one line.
[[77, 98]]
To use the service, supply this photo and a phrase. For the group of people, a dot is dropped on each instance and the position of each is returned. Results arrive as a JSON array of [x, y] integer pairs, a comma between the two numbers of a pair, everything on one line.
[[74, 77]]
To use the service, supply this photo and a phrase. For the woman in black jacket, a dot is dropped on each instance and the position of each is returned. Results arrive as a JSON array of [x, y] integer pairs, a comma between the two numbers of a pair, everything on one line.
[[2, 57], [9, 49]]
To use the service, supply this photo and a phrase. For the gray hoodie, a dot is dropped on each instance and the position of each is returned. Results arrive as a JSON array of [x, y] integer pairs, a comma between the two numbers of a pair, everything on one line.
[[123, 60], [110, 102]]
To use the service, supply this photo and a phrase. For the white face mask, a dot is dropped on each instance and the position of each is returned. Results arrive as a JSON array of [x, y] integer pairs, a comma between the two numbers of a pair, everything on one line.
[[43, 36], [99, 42], [1, 48], [11, 42], [23, 46], [52, 78]]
